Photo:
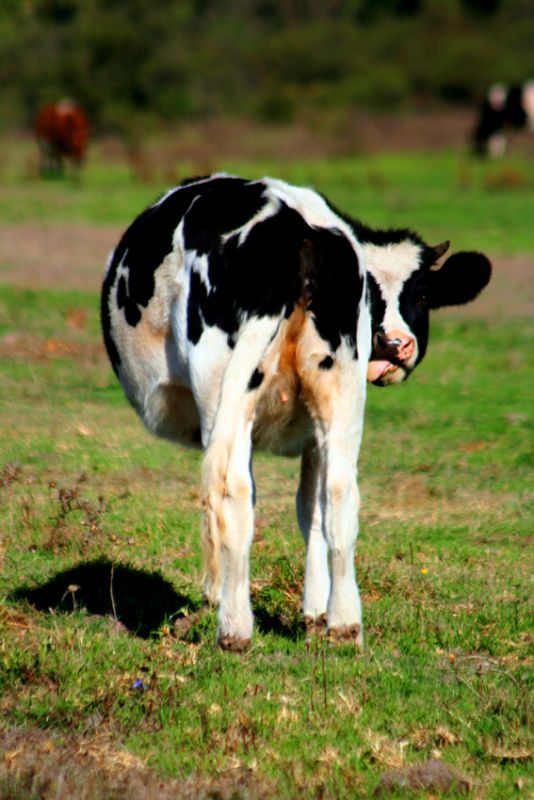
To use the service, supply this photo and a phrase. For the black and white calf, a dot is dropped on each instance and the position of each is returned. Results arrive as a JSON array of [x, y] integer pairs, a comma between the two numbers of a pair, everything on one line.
[[240, 313], [503, 108]]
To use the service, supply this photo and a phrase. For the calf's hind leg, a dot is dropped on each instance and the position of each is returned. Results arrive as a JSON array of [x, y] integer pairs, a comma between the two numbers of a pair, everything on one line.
[[228, 487], [227, 535], [309, 514], [335, 399]]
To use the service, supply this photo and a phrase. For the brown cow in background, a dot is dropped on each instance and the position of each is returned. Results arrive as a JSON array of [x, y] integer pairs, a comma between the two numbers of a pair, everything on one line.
[[62, 130]]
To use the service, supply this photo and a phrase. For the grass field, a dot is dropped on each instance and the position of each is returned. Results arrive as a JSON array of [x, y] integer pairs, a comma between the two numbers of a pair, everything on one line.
[[110, 684]]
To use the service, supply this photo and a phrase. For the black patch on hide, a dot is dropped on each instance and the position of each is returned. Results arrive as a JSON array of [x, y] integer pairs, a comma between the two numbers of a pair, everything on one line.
[[256, 380], [326, 363]]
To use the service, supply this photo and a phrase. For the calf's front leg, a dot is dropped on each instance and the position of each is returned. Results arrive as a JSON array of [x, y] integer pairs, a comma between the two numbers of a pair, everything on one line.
[[341, 504]]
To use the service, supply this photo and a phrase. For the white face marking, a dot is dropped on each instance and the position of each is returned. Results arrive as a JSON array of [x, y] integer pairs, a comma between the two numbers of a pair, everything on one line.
[[391, 265]]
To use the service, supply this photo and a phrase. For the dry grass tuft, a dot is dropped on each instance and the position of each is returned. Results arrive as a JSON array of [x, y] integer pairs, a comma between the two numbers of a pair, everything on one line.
[[36, 765]]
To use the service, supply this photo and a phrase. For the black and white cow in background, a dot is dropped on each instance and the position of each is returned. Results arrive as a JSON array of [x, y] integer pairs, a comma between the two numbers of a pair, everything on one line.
[[503, 108], [240, 313]]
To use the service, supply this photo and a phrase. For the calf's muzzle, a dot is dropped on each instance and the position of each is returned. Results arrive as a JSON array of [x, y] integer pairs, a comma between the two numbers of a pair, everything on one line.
[[395, 346]]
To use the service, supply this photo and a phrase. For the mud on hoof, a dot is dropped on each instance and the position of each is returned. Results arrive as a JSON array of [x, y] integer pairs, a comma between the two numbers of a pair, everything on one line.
[[233, 644], [315, 627], [346, 633]]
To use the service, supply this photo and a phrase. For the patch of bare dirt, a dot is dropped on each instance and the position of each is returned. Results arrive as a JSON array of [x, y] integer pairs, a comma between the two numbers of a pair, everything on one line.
[[510, 291], [22, 346], [46, 255], [73, 256]]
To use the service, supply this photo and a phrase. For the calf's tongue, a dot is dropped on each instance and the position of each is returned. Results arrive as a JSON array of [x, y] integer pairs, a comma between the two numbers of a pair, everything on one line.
[[376, 369]]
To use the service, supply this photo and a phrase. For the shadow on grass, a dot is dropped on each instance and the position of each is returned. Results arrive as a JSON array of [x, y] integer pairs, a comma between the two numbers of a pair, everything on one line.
[[277, 604], [288, 626], [141, 601]]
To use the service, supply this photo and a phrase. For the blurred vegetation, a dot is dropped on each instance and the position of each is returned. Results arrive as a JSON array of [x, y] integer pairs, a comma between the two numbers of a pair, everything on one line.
[[134, 63]]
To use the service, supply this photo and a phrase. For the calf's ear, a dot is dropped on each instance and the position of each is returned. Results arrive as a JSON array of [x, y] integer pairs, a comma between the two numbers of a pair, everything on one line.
[[462, 276], [440, 249]]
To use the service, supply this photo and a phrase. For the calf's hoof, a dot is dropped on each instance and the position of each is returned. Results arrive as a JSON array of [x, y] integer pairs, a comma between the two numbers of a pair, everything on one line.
[[315, 626], [346, 633], [233, 644]]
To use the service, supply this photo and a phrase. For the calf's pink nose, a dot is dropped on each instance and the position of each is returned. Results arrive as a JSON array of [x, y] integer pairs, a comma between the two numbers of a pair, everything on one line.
[[405, 344], [407, 348]]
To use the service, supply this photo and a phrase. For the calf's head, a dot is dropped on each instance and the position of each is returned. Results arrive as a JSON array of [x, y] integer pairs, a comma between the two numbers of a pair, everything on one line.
[[404, 284]]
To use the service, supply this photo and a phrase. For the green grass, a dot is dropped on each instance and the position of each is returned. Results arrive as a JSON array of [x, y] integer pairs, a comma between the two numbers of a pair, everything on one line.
[[443, 562], [100, 558]]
